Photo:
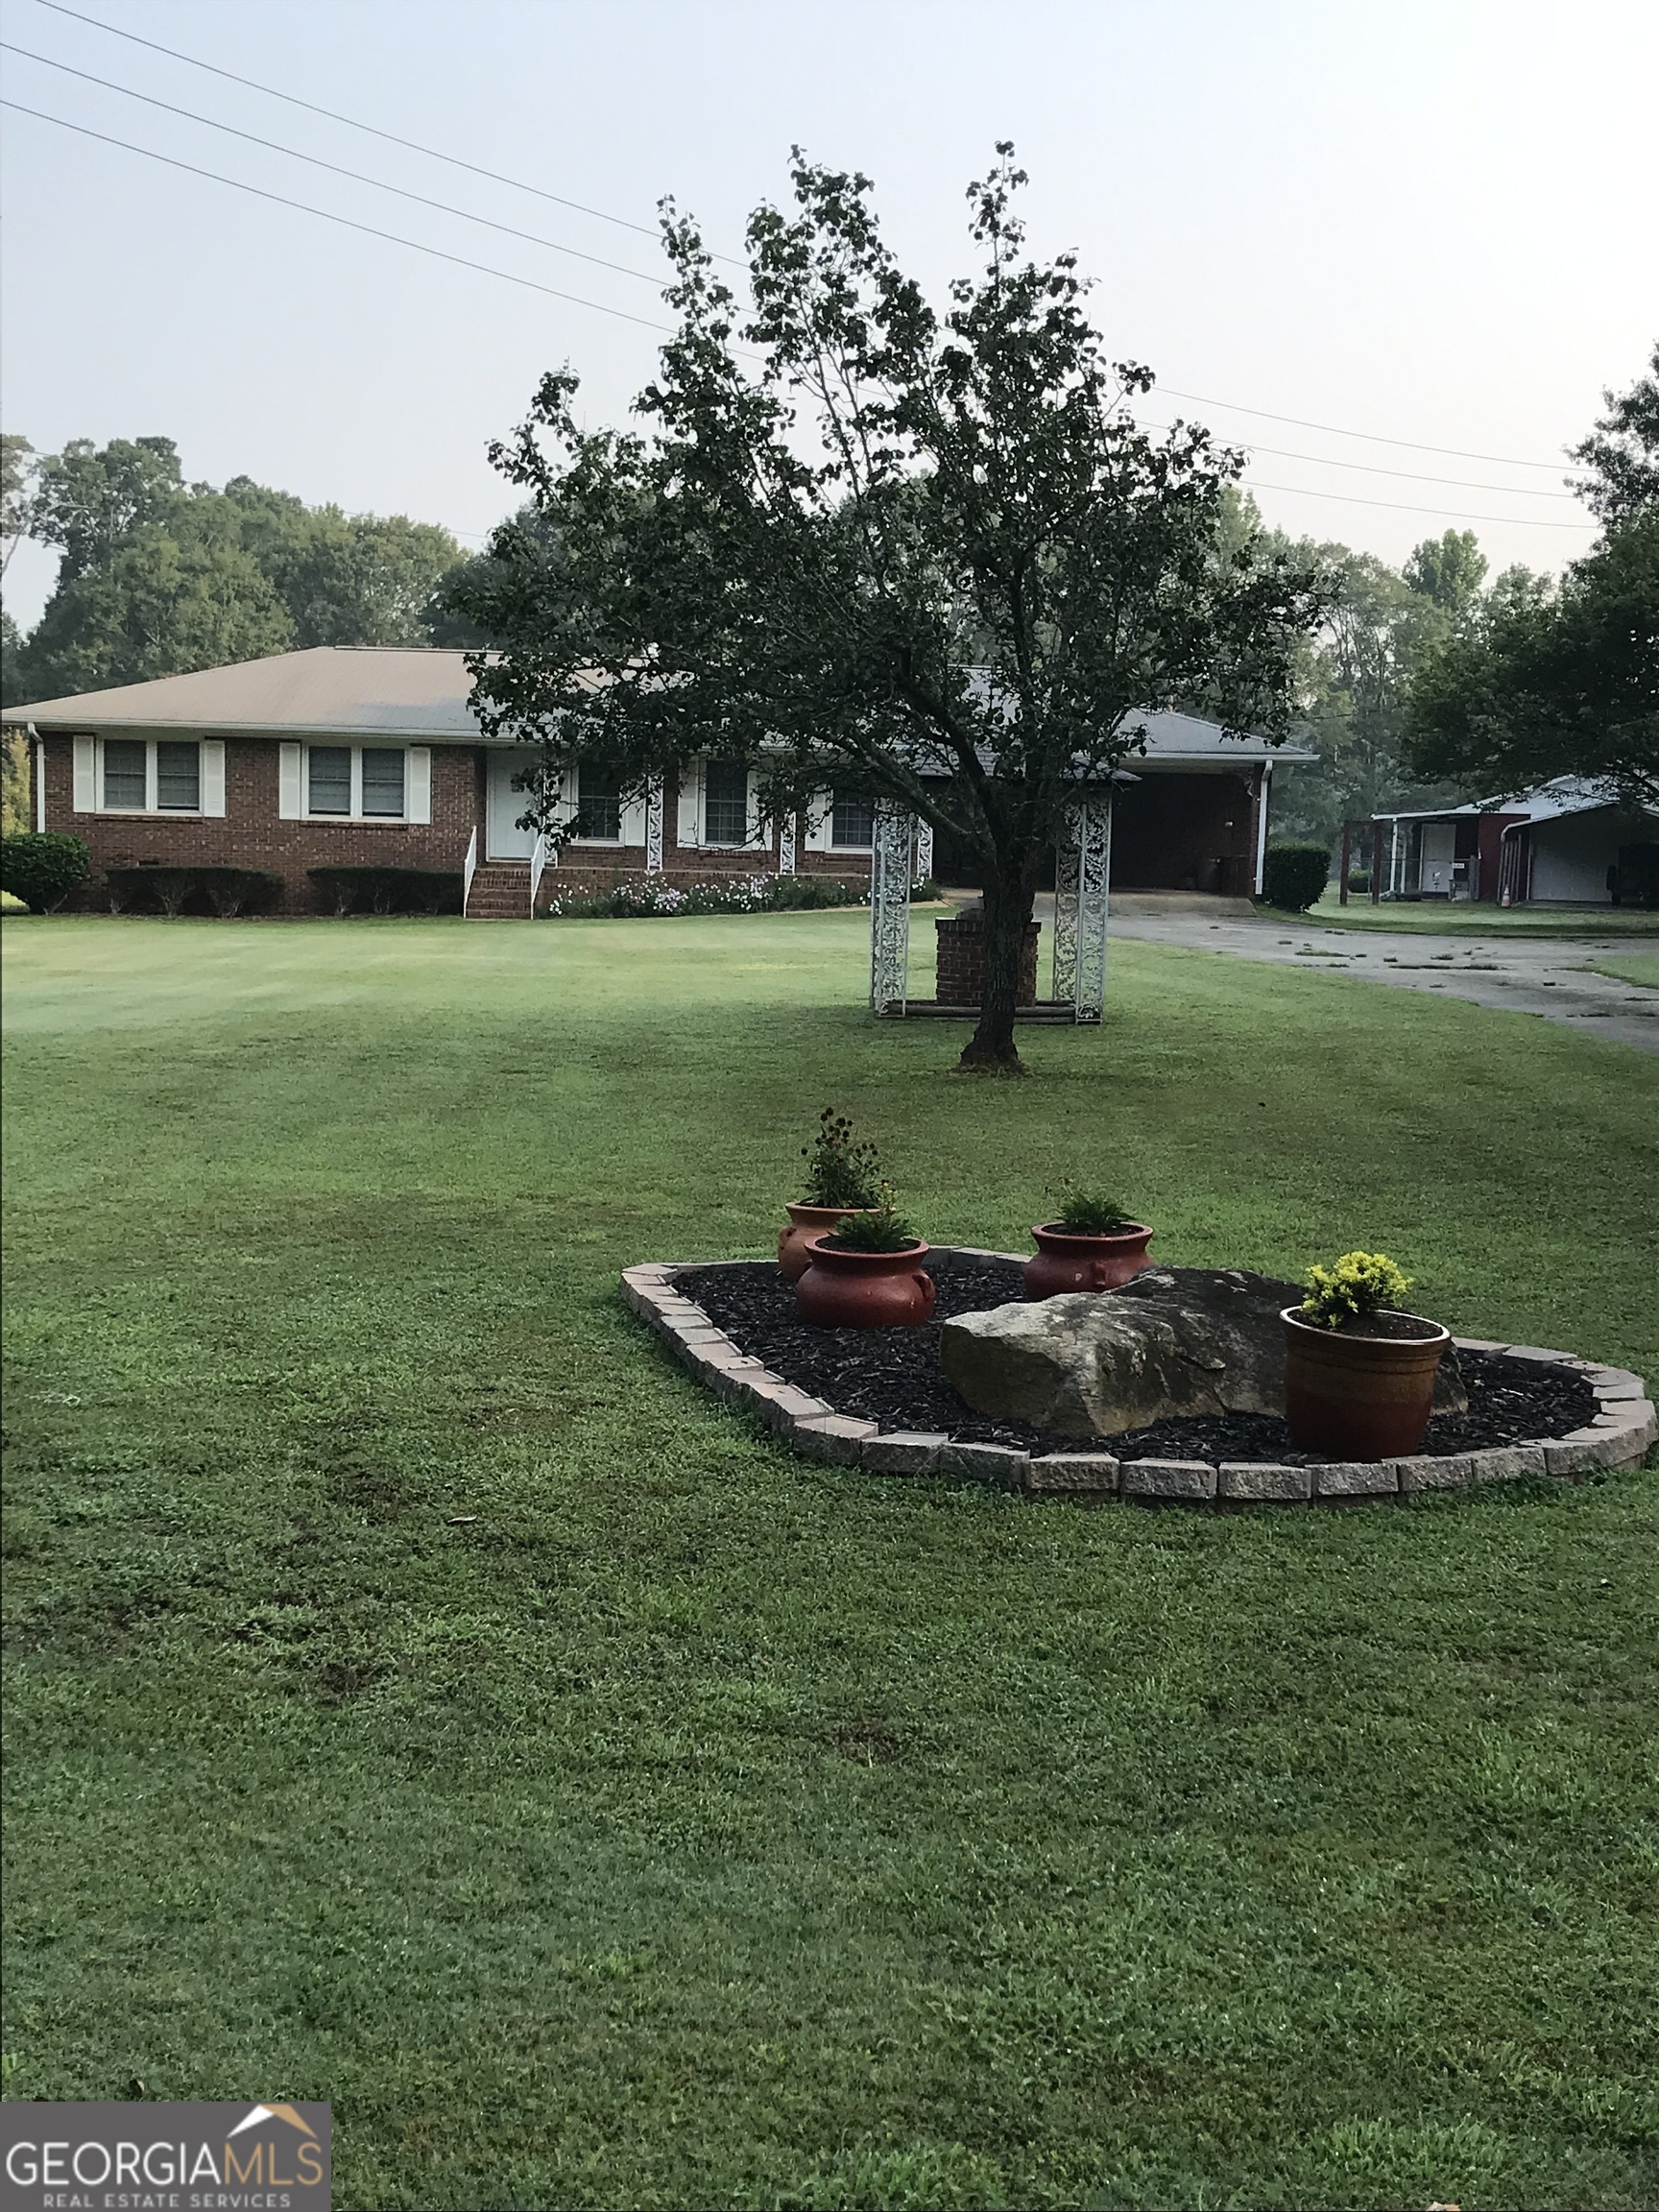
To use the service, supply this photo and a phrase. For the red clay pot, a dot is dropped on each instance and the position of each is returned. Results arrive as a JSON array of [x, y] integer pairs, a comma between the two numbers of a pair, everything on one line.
[[808, 1221], [1067, 1261], [1354, 1397], [864, 1289]]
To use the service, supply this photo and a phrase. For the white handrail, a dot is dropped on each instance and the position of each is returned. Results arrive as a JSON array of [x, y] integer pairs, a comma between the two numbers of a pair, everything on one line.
[[538, 868], [469, 869]]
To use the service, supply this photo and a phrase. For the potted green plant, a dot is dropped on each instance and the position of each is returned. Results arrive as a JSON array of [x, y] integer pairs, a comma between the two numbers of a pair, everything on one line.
[[1092, 1245], [865, 1273], [842, 1177], [1359, 1372]]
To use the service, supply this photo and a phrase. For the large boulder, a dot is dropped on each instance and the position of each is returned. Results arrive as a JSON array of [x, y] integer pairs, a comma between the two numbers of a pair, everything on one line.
[[1173, 1341]]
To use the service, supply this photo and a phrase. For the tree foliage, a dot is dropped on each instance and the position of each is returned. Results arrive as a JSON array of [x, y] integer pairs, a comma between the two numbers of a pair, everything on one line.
[[1356, 673], [1566, 683], [157, 577], [928, 552], [1621, 453]]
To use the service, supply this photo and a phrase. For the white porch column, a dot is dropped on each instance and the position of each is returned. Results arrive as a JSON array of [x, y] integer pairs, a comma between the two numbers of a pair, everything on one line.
[[1082, 885], [653, 827], [891, 849]]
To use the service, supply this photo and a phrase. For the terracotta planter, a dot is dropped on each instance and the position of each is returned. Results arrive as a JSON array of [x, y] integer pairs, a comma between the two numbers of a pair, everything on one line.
[[1354, 1397], [806, 1222], [864, 1289], [1067, 1261]]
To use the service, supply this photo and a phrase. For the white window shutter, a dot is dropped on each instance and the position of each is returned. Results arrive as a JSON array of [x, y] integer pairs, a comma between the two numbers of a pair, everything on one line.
[[417, 784], [820, 821], [569, 802], [690, 824], [291, 783], [633, 823], [212, 775], [85, 776]]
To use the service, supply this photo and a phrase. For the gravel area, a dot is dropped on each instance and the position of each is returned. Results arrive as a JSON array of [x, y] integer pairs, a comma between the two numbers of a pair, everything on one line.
[[892, 1375]]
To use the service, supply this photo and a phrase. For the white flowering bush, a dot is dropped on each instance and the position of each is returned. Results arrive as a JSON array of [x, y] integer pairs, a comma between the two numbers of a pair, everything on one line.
[[649, 897]]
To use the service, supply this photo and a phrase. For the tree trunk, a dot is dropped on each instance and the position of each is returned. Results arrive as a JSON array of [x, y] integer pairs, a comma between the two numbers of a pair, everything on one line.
[[1007, 911]]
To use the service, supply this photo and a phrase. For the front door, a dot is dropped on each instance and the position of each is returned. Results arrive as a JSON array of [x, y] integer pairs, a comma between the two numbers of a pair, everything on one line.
[[503, 839]]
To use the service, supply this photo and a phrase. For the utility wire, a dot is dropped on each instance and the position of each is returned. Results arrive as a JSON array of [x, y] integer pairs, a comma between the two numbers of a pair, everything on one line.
[[1372, 437], [526, 283], [357, 176], [496, 176], [1375, 468], [1408, 507], [368, 230], [351, 123], [421, 200]]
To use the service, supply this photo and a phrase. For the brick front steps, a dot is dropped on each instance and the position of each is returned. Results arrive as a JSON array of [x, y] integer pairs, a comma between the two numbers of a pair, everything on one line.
[[1618, 1436], [500, 892]]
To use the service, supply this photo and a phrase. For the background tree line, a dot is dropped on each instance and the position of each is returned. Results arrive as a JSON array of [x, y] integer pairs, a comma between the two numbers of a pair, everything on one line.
[[1426, 684], [157, 577]]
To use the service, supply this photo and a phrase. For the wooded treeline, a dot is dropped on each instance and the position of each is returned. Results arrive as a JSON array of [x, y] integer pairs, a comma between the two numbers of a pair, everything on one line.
[[1427, 683]]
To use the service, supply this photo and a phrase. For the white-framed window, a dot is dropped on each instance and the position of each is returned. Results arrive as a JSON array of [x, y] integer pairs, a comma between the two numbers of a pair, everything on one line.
[[842, 820], [598, 806], [149, 776], [390, 783], [852, 821], [356, 783], [725, 802]]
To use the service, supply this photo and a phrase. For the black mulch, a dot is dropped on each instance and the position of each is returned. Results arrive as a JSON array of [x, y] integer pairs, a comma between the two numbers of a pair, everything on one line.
[[893, 1375]]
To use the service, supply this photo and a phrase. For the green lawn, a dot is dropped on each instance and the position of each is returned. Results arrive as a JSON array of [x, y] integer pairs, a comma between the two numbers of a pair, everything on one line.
[[691, 1825], [1641, 968], [1449, 919]]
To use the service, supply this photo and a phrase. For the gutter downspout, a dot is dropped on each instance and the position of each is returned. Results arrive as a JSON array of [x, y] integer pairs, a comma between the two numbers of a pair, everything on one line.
[[1263, 784]]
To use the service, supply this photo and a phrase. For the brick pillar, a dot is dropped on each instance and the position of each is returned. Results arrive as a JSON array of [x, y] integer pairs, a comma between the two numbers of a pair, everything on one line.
[[962, 961]]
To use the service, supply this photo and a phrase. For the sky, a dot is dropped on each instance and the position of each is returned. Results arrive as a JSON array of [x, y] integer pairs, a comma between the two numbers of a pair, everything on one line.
[[1395, 251]]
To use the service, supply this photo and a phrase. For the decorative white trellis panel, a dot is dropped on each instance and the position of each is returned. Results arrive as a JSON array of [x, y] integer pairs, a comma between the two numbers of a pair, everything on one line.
[[653, 827], [787, 847], [1082, 880], [892, 846], [924, 850]]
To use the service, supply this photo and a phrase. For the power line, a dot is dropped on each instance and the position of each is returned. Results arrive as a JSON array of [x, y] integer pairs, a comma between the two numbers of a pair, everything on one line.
[[1372, 437], [351, 123], [460, 260], [317, 162], [599, 214], [1408, 507], [1375, 468]]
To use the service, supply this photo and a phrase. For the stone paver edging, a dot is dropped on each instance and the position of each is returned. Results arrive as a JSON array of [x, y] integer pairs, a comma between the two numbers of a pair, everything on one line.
[[1618, 1436]]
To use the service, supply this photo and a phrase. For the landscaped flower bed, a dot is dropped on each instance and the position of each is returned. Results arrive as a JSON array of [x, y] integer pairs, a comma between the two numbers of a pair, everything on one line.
[[878, 1399]]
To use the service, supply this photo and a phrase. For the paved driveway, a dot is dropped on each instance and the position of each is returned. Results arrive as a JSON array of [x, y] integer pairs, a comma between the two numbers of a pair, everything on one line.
[[1530, 976]]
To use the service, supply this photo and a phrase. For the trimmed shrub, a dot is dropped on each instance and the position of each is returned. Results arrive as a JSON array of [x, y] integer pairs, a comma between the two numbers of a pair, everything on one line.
[[1359, 879], [221, 891], [388, 890], [1294, 876], [41, 867]]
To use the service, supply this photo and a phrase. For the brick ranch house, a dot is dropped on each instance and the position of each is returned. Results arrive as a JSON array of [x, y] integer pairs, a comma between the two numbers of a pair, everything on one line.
[[372, 757]]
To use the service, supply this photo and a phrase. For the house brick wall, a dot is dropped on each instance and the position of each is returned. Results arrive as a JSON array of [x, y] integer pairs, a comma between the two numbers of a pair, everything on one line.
[[250, 833]]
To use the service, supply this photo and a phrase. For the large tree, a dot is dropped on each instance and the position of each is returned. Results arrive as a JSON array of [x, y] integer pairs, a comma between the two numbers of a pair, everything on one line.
[[857, 541], [157, 577], [1565, 682]]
